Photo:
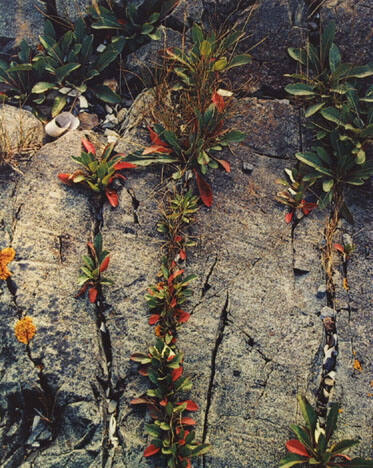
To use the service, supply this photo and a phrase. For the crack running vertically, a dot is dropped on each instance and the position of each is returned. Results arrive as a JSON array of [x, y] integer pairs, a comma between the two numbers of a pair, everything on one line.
[[206, 286], [218, 341]]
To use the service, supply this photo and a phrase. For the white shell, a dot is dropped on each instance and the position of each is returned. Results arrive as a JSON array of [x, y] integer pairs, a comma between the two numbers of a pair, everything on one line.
[[83, 103], [101, 48], [61, 124]]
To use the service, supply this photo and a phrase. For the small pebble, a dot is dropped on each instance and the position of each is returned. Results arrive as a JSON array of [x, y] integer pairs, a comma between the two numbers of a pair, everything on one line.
[[247, 167], [327, 312], [321, 292]]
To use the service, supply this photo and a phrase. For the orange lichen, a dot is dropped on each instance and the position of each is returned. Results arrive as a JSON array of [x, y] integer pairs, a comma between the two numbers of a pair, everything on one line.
[[6, 256], [25, 330], [357, 365]]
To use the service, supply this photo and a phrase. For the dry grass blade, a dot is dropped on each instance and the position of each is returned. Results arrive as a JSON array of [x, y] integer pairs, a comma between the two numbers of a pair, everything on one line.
[[17, 147]]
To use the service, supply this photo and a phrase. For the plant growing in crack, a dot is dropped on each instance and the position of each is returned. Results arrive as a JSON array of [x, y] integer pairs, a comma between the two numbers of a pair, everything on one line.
[[98, 171], [95, 263], [313, 445], [189, 127], [171, 432]]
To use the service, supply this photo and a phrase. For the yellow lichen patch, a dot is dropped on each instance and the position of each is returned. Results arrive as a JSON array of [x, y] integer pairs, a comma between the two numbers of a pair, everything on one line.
[[357, 365], [6, 256], [25, 330]]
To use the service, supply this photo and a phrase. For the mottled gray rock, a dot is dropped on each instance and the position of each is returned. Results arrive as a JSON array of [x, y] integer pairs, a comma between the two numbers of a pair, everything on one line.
[[276, 25], [52, 224], [22, 20], [72, 9], [354, 28], [140, 63], [20, 128]]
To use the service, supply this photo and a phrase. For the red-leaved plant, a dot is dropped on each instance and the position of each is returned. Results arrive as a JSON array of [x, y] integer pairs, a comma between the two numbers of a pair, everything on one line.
[[98, 172], [312, 444], [95, 263], [172, 436]]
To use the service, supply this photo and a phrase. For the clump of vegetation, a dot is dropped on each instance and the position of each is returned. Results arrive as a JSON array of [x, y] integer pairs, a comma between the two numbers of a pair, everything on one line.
[[172, 436], [189, 128], [136, 22], [95, 263], [312, 444], [98, 171], [340, 112]]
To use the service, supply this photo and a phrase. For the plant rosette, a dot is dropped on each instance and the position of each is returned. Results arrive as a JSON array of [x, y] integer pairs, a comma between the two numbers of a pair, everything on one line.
[[98, 172], [95, 263]]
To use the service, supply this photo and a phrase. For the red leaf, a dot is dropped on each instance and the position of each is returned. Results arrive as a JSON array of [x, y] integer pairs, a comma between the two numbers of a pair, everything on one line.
[[173, 302], [157, 149], [307, 207], [182, 316], [177, 373], [343, 456], [92, 293], [143, 371], [294, 446], [339, 247], [91, 248], [104, 264], [112, 196], [65, 178], [88, 146], [151, 450], [178, 238], [122, 21], [124, 165], [155, 138], [191, 405], [154, 319], [289, 217], [225, 164], [204, 189], [139, 401], [218, 101], [188, 421], [182, 254], [175, 275], [163, 402], [189, 463], [82, 290]]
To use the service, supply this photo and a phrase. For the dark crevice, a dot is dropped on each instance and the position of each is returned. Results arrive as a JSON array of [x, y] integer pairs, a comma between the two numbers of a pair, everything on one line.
[[253, 345], [273, 156], [135, 205], [220, 334], [206, 286]]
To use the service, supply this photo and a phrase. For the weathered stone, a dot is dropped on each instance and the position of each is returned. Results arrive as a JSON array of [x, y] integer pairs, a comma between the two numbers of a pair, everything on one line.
[[21, 21], [52, 225], [20, 129], [354, 28], [72, 9], [148, 57]]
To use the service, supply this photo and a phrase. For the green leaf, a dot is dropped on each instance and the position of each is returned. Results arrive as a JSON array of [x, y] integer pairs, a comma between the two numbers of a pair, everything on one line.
[[360, 157], [344, 445], [197, 34], [106, 94], [327, 185], [201, 450], [153, 430], [327, 39], [205, 48], [362, 71], [58, 104], [359, 463], [98, 243], [298, 54], [302, 436], [42, 86], [300, 89], [292, 459], [331, 421], [308, 412], [313, 109], [239, 60], [333, 115], [20, 67], [234, 136], [325, 201], [310, 159], [65, 70], [220, 64]]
